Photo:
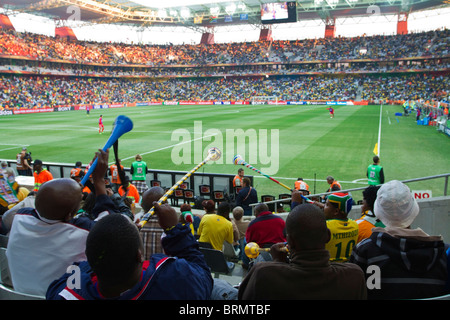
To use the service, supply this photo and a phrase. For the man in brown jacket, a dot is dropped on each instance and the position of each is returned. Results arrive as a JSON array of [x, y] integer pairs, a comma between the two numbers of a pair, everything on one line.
[[308, 273]]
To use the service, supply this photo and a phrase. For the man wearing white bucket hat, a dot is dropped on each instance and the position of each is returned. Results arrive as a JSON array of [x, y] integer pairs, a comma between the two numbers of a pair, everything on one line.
[[409, 263]]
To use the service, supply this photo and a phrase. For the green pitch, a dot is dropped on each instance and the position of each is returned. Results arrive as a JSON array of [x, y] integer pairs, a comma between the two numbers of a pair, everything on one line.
[[285, 142]]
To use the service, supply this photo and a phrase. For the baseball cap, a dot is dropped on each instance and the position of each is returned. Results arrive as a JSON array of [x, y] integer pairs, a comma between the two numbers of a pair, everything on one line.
[[37, 161], [395, 206]]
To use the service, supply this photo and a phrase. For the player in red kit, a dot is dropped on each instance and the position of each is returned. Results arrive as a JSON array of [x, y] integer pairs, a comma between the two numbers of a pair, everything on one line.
[[101, 127]]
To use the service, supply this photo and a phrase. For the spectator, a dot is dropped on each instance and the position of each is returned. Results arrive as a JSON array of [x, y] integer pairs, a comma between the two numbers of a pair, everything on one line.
[[411, 263], [151, 233], [41, 175], [344, 231], [209, 206], [308, 273], [368, 220], [246, 196], [215, 228], [9, 172], [116, 268], [186, 216], [47, 239], [242, 226], [266, 229], [8, 217]]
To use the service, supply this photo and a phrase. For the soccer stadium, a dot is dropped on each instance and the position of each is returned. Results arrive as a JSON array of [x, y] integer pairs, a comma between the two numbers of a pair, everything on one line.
[[225, 150]]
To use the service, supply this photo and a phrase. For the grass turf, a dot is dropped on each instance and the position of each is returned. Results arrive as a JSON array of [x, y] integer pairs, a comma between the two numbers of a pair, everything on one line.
[[310, 144]]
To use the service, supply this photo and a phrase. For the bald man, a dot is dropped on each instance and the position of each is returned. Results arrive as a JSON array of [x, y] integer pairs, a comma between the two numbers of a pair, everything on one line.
[[308, 273], [151, 232], [44, 241]]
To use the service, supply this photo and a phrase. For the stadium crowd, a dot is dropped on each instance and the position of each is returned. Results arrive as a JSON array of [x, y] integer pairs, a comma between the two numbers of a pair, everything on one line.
[[41, 47], [117, 257], [32, 92]]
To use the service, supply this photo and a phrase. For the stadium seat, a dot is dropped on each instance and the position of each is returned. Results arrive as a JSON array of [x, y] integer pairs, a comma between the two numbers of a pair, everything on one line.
[[266, 198], [205, 191], [5, 274], [202, 244], [155, 183], [10, 294], [178, 194], [285, 196], [183, 186], [216, 261], [188, 195], [218, 196], [3, 241]]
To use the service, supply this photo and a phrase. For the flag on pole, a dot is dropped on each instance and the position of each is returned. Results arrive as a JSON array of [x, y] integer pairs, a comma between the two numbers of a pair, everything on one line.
[[375, 150]]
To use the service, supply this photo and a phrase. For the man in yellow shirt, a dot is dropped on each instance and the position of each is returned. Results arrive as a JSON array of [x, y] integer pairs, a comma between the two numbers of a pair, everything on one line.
[[216, 228], [344, 231]]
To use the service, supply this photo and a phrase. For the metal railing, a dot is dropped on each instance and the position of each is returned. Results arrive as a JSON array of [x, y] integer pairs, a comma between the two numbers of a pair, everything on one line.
[[444, 175], [167, 178]]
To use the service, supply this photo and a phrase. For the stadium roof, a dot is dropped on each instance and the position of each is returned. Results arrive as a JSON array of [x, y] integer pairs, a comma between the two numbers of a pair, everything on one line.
[[201, 14]]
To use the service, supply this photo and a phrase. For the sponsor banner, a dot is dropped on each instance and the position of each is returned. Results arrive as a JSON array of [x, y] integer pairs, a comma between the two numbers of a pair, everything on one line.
[[148, 103], [82, 107], [277, 102], [6, 113], [196, 102], [240, 102], [116, 105], [337, 103], [67, 108], [296, 102], [360, 103], [25, 111], [447, 131], [170, 103]]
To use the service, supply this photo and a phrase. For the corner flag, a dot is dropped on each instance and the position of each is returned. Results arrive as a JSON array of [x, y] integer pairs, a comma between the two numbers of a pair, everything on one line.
[[375, 150]]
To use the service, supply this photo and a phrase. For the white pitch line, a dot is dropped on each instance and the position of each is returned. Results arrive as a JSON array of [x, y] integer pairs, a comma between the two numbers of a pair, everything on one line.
[[357, 181], [379, 130], [171, 146]]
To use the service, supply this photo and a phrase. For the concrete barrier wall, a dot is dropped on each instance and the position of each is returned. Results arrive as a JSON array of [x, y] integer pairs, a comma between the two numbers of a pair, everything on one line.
[[433, 218]]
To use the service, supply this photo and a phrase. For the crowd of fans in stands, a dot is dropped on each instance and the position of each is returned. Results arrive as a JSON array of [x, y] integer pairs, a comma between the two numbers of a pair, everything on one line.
[[123, 83], [29, 92], [335, 49]]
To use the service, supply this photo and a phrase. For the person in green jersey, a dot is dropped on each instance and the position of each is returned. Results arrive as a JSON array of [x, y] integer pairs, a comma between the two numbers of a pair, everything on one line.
[[138, 172], [375, 172]]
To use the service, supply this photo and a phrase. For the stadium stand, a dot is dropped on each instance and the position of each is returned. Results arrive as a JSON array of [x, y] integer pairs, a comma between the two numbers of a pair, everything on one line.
[[362, 68], [38, 71]]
